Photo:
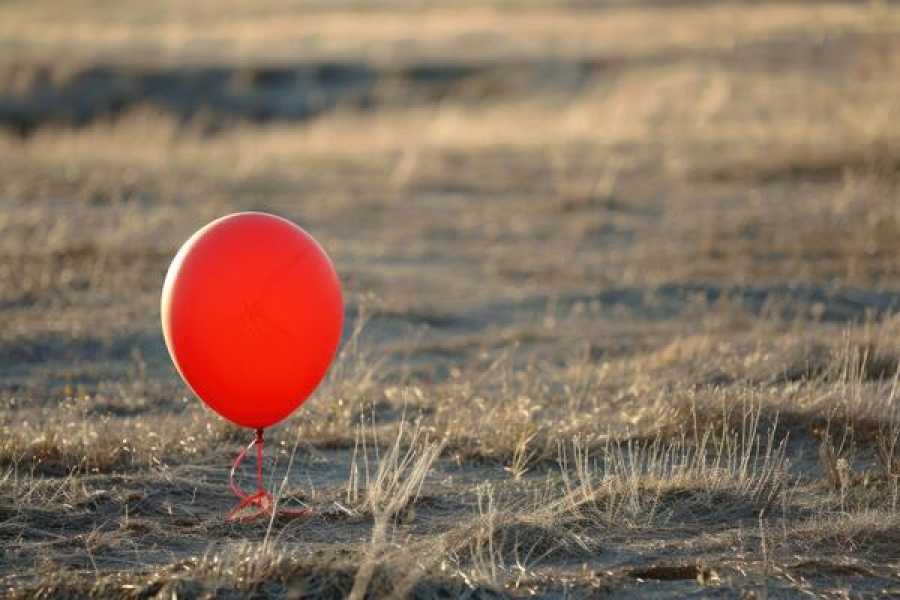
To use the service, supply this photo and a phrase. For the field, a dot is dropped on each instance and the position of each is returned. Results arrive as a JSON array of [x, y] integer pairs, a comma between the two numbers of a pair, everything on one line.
[[622, 283]]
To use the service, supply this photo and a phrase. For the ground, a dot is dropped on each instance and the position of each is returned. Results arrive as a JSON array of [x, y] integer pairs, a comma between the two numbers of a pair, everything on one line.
[[622, 284]]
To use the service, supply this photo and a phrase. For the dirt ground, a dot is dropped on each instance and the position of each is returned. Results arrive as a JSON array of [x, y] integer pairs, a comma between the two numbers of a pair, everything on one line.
[[622, 281]]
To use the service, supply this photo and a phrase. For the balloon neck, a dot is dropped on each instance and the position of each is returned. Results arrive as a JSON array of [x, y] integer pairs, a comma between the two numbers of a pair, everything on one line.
[[259, 437]]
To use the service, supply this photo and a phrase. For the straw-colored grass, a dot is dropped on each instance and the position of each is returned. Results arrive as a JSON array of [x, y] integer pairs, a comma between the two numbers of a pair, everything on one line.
[[621, 280]]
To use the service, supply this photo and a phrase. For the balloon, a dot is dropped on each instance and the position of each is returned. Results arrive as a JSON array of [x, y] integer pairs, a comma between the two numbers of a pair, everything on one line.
[[252, 314]]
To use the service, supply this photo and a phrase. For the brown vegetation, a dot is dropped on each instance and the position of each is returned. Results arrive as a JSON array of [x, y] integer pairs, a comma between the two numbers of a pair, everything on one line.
[[622, 281]]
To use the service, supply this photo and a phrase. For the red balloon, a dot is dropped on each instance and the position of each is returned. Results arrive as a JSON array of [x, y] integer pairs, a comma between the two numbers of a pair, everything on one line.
[[252, 314]]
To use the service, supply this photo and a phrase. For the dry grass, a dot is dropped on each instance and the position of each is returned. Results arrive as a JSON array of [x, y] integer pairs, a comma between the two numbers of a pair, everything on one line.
[[622, 294]]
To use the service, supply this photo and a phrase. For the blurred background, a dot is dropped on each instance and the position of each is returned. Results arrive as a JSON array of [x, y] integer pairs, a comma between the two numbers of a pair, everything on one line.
[[468, 165]]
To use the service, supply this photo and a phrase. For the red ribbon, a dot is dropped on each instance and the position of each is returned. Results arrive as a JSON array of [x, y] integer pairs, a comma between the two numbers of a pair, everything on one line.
[[261, 499]]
